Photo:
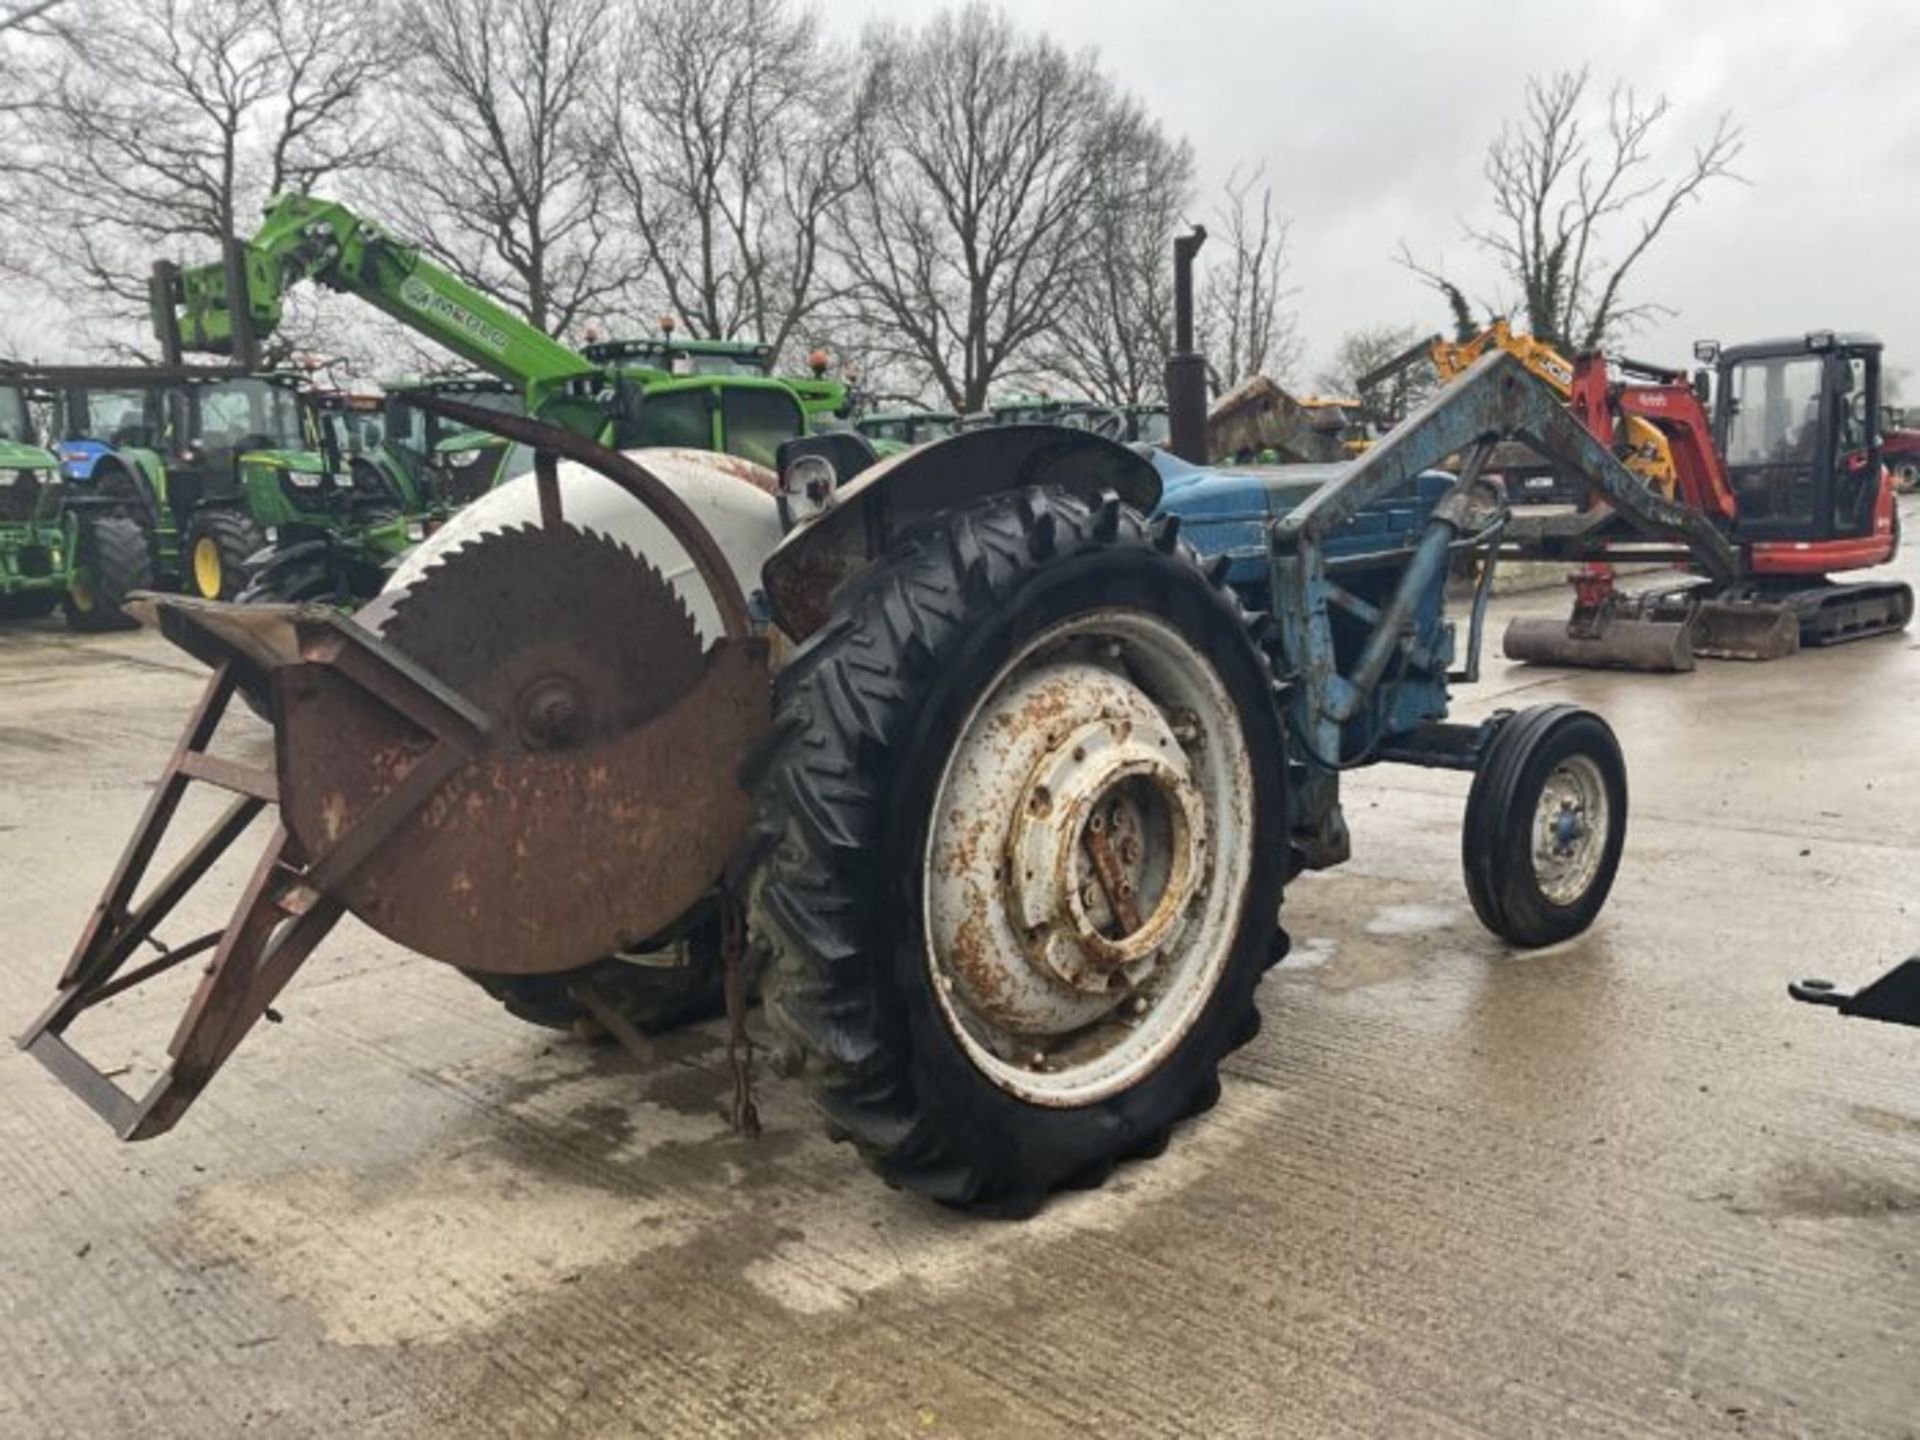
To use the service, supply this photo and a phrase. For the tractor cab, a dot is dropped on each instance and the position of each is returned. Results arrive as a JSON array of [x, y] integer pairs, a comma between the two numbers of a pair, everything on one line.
[[16, 416], [1796, 421], [446, 462], [90, 422], [217, 424]]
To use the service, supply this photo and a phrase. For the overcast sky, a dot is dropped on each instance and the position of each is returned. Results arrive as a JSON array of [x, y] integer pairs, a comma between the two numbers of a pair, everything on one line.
[[1372, 118]]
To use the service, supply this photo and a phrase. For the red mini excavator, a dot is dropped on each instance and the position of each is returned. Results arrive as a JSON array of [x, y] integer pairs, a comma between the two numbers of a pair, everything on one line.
[[1788, 474]]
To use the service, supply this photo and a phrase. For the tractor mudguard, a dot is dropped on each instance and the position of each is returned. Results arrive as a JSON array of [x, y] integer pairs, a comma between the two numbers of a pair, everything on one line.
[[870, 512]]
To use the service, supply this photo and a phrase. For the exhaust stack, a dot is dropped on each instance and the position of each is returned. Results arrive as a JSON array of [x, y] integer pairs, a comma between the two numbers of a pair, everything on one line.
[[1186, 367]]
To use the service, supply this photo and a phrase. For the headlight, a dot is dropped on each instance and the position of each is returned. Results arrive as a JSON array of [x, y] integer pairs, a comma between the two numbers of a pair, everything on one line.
[[460, 459], [341, 482], [416, 530], [304, 480]]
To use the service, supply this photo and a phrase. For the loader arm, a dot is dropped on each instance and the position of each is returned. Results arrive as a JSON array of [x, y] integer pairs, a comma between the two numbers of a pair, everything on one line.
[[1497, 399], [228, 308]]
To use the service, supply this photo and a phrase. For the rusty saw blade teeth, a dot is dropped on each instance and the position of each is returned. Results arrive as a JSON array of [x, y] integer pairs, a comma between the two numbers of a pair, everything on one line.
[[564, 636]]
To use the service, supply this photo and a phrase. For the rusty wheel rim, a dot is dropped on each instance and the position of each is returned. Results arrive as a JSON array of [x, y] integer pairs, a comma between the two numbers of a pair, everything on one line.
[[1088, 860]]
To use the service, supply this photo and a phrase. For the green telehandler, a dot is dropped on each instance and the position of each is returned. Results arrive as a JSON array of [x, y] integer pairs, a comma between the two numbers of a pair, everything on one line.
[[231, 306]]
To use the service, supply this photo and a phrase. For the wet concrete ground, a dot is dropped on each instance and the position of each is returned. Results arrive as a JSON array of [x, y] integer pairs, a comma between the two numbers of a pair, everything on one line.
[[1624, 1187]]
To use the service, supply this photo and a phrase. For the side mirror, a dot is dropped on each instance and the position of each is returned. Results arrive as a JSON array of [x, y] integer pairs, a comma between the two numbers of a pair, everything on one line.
[[1703, 386]]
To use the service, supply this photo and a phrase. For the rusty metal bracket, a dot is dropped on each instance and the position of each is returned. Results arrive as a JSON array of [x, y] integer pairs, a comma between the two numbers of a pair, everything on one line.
[[287, 906]]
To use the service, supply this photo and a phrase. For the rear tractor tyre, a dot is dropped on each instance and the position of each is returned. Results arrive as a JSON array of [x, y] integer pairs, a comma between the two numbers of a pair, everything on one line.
[[1545, 823], [654, 998], [115, 560], [29, 604], [215, 550], [1024, 836]]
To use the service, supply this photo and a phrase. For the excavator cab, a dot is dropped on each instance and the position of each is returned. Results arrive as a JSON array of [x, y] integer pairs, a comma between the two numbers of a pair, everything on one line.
[[1795, 422]]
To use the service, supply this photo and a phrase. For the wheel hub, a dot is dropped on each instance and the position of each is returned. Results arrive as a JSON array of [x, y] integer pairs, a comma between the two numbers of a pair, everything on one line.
[[1570, 830], [1104, 850]]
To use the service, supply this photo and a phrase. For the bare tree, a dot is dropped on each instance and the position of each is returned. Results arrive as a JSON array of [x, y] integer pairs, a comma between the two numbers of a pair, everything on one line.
[[725, 120], [498, 167], [1361, 352], [1576, 210], [187, 115], [1244, 328], [961, 241], [1111, 339]]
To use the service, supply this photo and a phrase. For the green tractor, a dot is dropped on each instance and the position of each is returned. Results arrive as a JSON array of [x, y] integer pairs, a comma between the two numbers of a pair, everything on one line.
[[825, 401], [446, 464], [215, 465], [891, 431], [57, 552]]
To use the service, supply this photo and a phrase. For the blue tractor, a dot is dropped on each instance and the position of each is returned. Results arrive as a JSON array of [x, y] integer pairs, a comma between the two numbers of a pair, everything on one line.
[[987, 764]]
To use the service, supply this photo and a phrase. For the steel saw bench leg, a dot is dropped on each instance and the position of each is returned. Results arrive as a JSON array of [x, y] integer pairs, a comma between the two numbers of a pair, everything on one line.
[[285, 910]]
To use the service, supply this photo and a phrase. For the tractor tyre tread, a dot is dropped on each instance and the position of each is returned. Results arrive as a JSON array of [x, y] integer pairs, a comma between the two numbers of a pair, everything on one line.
[[29, 604], [654, 998], [850, 709], [236, 535], [117, 550]]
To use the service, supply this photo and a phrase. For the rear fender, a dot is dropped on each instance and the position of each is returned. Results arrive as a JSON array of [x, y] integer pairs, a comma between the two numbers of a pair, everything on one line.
[[874, 509]]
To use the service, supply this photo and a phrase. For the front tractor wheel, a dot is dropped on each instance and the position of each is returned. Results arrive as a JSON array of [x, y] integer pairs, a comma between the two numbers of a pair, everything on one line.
[[1546, 820], [1027, 831], [114, 560], [215, 552]]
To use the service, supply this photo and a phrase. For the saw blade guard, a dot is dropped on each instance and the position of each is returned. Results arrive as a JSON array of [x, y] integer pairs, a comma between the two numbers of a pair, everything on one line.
[[733, 500]]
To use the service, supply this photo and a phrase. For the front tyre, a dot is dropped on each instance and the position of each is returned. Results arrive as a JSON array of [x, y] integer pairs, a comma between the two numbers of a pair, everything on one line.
[[1545, 823], [28, 604], [1027, 836], [114, 560], [215, 551]]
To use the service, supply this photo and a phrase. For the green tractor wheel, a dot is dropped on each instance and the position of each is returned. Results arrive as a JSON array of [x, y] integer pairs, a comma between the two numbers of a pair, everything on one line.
[[215, 551], [28, 604], [115, 560]]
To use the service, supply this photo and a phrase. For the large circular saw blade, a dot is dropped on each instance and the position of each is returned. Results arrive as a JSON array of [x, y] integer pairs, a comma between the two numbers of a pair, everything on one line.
[[563, 636], [606, 801]]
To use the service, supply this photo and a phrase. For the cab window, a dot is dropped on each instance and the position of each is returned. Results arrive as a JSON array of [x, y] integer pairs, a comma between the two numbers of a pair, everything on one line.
[[677, 418], [758, 420]]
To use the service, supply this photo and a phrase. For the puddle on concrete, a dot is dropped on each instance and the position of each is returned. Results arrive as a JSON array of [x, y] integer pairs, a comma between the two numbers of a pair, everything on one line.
[[470, 1238], [1310, 953], [429, 1254], [1412, 919], [1823, 1192], [1889, 1122]]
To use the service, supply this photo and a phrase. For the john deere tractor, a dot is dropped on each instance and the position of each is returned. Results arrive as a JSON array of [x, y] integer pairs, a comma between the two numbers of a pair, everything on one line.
[[214, 464], [57, 551]]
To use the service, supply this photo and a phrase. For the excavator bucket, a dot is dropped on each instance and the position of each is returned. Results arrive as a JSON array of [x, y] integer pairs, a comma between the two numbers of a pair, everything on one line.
[[464, 766], [1621, 642], [1744, 630]]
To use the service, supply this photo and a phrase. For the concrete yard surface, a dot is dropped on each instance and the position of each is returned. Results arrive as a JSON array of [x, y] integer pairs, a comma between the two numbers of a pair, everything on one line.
[[1623, 1187]]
